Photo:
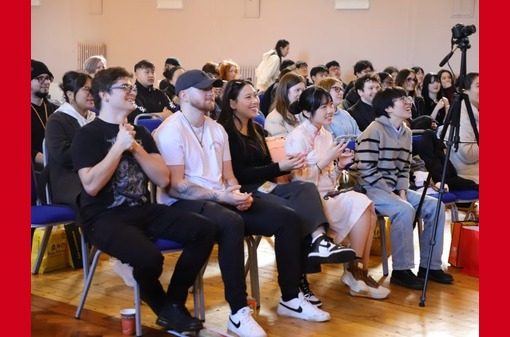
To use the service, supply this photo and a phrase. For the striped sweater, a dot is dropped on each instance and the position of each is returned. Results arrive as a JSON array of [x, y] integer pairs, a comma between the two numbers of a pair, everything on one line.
[[383, 156]]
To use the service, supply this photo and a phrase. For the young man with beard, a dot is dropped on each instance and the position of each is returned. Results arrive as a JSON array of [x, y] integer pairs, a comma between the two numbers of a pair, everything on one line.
[[114, 161], [41, 109], [196, 150]]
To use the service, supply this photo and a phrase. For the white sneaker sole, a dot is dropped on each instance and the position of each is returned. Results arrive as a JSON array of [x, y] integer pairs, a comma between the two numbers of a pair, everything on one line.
[[283, 311]]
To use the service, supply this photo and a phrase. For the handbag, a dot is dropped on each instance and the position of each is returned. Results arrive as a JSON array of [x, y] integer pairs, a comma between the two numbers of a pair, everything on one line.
[[464, 246], [346, 181]]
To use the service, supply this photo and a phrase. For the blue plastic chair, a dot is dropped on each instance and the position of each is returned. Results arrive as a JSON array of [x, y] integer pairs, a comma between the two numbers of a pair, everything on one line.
[[46, 216], [148, 120]]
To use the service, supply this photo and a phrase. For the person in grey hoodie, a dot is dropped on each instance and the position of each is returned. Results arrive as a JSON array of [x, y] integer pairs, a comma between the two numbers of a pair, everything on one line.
[[383, 159], [60, 130], [269, 68]]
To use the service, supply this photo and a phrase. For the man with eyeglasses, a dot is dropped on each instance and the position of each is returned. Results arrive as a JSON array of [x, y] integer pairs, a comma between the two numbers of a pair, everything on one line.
[[41, 108], [383, 159], [114, 161], [366, 86], [149, 99]]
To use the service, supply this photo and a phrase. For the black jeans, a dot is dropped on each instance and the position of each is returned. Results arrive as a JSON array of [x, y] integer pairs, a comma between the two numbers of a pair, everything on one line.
[[127, 232], [262, 218]]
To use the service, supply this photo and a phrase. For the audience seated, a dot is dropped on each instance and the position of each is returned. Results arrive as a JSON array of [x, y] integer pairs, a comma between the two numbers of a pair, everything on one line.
[[350, 214], [280, 120], [366, 86], [204, 182], [61, 128], [361, 68], [383, 159], [406, 78]]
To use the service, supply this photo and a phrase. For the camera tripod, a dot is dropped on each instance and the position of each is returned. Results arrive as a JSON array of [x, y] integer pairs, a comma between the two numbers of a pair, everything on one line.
[[452, 127]]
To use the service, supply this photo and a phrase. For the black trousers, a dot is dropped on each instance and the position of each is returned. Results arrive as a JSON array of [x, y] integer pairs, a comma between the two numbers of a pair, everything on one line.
[[127, 233], [262, 218]]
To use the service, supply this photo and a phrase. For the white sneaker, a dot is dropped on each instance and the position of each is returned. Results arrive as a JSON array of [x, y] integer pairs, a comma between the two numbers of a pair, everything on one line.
[[356, 287], [125, 271], [375, 290], [243, 324], [300, 308]]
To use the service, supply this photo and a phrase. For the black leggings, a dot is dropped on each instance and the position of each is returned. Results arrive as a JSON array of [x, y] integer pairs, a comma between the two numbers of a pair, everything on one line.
[[262, 218], [126, 232]]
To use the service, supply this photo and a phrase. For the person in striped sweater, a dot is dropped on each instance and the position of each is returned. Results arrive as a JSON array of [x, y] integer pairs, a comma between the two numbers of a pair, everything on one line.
[[383, 159]]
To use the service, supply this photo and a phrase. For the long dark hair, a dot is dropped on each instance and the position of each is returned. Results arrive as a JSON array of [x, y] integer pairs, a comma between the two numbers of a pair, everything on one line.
[[279, 45], [228, 117]]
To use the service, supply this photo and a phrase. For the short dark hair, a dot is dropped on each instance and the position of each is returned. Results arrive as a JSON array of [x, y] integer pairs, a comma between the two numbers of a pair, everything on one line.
[[360, 82], [104, 80], [300, 64], [468, 80], [172, 61], [362, 65], [390, 70], [144, 64], [310, 100], [332, 64], [287, 64], [318, 69], [73, 81], [384, 99], [211, 68]]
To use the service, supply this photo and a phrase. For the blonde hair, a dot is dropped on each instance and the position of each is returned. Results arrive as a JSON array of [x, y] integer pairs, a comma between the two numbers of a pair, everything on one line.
[[90, 64]]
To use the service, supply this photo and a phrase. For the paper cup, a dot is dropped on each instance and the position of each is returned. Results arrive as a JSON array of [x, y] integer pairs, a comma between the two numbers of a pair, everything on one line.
[[127, 319]]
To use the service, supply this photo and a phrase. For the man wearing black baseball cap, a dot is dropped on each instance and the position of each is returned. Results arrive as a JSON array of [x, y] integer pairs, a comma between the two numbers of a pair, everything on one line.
[[41, 108]]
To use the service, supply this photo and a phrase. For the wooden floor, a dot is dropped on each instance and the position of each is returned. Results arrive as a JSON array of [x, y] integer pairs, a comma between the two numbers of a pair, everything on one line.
[[451, 310]]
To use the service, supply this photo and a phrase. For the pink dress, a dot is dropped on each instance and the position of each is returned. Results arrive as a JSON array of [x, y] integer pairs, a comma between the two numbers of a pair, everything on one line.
[[342, 211]]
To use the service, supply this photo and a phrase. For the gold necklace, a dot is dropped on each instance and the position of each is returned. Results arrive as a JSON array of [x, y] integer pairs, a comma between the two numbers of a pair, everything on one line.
[[39, 116], [193, 130]]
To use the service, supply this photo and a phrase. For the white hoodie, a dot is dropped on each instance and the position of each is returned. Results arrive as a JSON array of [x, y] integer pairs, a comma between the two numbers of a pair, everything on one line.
[[268, 70], [69, 110]]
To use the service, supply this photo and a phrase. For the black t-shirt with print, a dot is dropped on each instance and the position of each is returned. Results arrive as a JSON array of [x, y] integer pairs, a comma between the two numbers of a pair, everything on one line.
[[128, 185]]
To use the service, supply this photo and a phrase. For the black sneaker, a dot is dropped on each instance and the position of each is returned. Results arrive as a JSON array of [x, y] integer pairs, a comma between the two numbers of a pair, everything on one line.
[[406, 278], [436, 275], [324, 250], [177, 318], [304, 287]]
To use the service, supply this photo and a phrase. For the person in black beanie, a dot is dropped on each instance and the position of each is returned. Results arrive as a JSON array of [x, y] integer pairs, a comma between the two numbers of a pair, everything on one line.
[[41, 109]]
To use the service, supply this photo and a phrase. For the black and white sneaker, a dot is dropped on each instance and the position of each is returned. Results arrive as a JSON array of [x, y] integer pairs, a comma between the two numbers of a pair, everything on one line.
[[300, 308], [324, 250], [304, 287]]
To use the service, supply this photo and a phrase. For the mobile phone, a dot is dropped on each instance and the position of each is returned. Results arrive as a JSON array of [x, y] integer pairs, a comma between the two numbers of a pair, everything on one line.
[[267, 187]]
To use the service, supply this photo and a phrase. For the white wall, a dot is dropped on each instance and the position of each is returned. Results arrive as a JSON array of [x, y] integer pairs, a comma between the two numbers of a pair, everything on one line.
[[402, 33]]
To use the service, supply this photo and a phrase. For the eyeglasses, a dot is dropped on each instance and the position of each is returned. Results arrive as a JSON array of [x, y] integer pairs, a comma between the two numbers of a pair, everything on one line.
[[44, 78], [338, 89], [126, 87], [411, 79], [404, 99]]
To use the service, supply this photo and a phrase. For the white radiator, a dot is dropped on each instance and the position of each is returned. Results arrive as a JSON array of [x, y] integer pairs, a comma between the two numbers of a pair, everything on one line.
[[247, 73], [85, 50]]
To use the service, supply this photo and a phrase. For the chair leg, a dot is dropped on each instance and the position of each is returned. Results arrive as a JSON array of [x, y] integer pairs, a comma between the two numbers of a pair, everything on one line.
[[42, 249], [86, 285], [252, 264], [138, 311], [85, 257], [384, 256], [198, 295]]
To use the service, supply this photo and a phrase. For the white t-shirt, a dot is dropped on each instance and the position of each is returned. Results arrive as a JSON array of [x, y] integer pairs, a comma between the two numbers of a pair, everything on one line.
[[179, 144]]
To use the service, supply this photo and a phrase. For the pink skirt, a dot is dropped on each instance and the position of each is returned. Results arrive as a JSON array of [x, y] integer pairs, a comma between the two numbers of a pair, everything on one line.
[[343, 211]]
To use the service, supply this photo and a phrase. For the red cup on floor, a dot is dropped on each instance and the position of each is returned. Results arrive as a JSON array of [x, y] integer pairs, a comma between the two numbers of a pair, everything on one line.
[[127, 319]]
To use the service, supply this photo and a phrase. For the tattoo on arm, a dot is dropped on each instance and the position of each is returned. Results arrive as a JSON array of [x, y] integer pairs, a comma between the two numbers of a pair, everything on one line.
[[190, 191]]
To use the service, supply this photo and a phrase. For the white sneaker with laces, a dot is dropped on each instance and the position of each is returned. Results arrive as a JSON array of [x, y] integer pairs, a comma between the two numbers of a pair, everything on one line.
[[243, 324], [300, 308]]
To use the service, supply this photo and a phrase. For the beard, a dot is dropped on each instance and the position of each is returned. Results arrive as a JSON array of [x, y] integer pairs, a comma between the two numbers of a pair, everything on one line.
[[42, 95]]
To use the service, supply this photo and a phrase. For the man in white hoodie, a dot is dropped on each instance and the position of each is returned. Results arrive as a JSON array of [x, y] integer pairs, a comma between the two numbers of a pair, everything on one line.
[[268, 69]]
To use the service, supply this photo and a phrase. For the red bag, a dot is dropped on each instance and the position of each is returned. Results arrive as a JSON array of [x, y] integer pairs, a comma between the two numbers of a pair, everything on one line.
[[464, 246], [469, 248]]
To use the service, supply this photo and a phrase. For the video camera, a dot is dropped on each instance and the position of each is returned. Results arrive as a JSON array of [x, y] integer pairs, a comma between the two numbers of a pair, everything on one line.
[[459, 31]]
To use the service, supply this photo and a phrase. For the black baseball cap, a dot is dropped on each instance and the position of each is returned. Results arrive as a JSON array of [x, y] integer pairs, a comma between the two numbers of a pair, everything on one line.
[[196, 79]]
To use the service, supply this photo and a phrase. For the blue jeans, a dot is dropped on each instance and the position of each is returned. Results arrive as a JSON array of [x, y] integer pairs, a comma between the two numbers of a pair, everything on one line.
[[402, 214]]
